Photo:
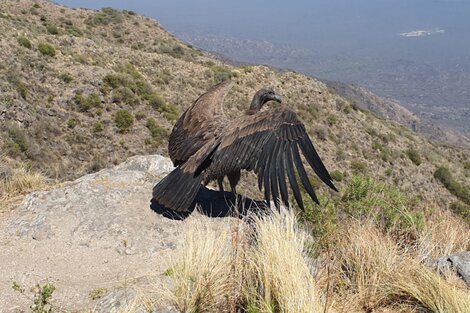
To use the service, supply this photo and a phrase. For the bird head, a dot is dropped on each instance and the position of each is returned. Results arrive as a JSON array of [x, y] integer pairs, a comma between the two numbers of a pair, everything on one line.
[[261, 97]]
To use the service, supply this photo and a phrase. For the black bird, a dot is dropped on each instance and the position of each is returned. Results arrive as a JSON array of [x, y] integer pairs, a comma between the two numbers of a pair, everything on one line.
[[205, 145]]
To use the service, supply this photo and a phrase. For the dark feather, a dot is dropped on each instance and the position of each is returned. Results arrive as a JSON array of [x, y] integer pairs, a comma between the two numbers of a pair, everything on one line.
[[315, 162], [282, 175], [292, 179], [303, 175]]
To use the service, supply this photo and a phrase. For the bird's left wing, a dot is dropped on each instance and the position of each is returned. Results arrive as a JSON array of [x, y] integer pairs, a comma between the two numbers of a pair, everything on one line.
[[269, 143]]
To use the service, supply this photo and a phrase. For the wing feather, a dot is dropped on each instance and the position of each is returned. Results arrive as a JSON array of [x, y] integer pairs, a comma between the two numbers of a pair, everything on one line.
[[268, 143]]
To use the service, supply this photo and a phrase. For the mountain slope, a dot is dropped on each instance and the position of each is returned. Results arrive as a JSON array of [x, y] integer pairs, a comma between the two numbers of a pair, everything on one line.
[[84, 89]]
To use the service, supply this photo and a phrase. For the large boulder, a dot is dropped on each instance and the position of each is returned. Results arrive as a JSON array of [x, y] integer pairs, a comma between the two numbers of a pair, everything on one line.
[[93, 239]]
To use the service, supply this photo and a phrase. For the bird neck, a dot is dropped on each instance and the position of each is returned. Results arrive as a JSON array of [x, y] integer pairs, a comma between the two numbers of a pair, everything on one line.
[[255, 106]]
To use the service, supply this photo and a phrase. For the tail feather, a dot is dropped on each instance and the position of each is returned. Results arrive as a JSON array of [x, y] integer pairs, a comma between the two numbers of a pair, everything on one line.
[[177, 190]]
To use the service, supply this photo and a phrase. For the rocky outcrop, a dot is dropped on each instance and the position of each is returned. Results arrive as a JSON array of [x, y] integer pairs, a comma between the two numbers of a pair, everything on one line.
[[460, 263], [96, 238]]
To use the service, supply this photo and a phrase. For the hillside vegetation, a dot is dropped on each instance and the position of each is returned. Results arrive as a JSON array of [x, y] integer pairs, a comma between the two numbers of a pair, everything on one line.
[[82, 90]]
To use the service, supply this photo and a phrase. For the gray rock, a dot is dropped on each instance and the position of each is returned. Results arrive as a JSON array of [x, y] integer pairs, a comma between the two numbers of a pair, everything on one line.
[[98, 232], [459, 263]]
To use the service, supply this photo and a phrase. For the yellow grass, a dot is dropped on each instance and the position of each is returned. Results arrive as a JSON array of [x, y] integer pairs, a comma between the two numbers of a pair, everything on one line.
[[20, 181], [373, 271], [202, 276], [263, 267], [281, 278]]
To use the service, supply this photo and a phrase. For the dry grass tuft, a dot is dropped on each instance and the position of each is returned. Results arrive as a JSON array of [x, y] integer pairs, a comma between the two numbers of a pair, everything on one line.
[[281, 280], [267, 269], [203, 281], [446, 234], [420, 287], [19, 181], [374, 271]]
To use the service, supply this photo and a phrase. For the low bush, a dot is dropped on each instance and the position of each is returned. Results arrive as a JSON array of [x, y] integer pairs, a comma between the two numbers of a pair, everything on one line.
[[47, 49], [158, 134], [52, 29], [86, 103], [123, 120], [414, 156], [25, 42], [444, 175]]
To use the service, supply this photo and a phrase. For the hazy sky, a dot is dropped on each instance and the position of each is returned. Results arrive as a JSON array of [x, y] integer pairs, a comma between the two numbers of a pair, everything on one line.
[[341, 27]]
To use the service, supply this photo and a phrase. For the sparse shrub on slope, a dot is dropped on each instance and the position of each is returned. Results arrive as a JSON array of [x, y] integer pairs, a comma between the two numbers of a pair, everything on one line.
[[158, 134], [123, 120], [46, 49], [387, 205], [25, 42], [414, 156], [104, 17], [86, 103], [444, 175]]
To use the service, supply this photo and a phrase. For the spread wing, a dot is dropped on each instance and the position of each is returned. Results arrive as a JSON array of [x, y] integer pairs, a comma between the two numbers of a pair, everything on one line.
[[199, 124], [269, 143]]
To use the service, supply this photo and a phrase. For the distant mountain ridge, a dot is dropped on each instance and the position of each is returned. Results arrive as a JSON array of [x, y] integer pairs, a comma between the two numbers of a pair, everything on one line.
[[433, 93]]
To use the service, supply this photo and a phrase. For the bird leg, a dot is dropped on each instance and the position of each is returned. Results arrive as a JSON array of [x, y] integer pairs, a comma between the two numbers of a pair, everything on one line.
[[220, 182], [234, 178]]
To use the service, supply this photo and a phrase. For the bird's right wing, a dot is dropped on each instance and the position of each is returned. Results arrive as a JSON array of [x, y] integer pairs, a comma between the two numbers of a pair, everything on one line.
[[198, 124], [269, 143]]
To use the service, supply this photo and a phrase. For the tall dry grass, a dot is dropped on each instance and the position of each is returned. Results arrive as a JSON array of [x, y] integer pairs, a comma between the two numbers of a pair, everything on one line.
[[19, 181], [258, 264], [203, 275], [373, 271], [262, 265], [280, 276]]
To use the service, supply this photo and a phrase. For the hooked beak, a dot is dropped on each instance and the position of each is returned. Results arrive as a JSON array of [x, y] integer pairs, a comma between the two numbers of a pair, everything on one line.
[[277, 98]]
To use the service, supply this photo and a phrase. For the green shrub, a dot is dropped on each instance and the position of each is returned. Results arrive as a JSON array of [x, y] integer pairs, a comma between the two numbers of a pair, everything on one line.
[[124, 95], [332, 120], [18, 84], [18, 141], [220, 73], [52, 29], [358, 167], [25, 42], [120, 80], [414, 156], [391, 208], [123, 120], [321, 133], [466, 165], [140, 115], [104, 17], [85, 104], [461, 209], [175, 51], [66, 77], [337, 175], [444, 175], [322, 220], [158, 134], [73, 31], [98, 127], [41, 295], [46, 49], [71, 123], [156, 101]]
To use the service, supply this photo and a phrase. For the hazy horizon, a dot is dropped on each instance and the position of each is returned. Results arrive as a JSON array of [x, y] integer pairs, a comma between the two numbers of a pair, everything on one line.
[[338, 27], [415, 51]]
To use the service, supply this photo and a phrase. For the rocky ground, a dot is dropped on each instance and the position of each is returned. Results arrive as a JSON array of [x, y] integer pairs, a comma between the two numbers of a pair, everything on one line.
[[96, 239]]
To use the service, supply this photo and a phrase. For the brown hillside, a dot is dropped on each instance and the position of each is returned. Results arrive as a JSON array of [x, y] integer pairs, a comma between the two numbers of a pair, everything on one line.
[[83, 89]]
